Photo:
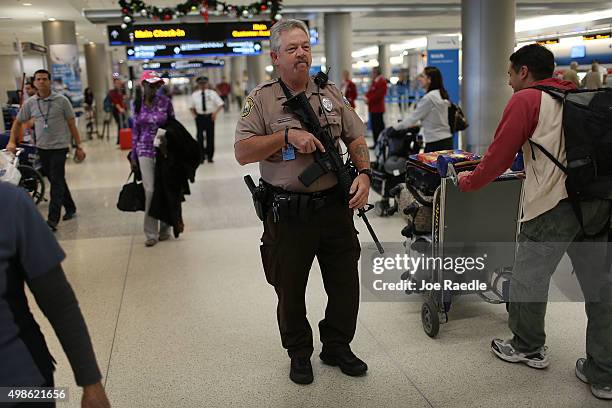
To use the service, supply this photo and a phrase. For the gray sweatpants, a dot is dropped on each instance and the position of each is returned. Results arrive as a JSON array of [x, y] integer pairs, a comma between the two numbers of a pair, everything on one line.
[[153, 228]]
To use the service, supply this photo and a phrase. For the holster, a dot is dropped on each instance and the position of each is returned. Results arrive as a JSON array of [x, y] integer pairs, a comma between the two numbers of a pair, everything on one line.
[[260, 195]]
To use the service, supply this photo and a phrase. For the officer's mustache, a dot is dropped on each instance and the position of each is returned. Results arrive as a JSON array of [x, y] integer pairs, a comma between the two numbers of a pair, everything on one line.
[[301, 61]]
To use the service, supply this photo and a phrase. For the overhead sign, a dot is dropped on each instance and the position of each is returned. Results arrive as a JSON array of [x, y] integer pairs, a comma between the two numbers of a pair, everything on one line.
[[178, 65], [602, 36], [188, 32], [550, 41], [193, 50], [443, 42], [32, 47]]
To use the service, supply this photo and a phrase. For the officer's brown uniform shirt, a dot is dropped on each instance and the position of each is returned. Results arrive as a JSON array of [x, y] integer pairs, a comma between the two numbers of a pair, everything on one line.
[[264, 114]]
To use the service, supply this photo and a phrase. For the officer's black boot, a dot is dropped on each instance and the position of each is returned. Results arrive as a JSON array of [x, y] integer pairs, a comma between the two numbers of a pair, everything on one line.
[[301, 370], [348, 362]]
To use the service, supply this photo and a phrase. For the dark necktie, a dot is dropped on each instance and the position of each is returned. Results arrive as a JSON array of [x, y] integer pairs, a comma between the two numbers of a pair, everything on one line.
[[203, 101]]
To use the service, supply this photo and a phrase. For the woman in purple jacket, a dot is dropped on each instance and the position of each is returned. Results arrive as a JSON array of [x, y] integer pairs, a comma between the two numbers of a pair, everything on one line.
[[151, 113]]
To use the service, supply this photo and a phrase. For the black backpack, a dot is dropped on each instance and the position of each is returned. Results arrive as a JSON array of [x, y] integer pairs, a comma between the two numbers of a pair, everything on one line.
[[587, 129], [456, 119]]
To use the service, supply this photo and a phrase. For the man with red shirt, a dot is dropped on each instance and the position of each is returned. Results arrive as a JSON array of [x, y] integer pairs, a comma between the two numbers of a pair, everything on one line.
[[375, 99], [549, 226], [349, 89], [116, 97], [224, 89]]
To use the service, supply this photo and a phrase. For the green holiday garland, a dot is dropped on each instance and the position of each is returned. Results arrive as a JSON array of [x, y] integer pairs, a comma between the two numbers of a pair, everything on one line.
[[131, 8]]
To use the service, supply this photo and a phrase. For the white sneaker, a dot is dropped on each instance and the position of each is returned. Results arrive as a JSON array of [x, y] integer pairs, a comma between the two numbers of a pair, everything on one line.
[[599, 391], [150, 242], [504, 350]]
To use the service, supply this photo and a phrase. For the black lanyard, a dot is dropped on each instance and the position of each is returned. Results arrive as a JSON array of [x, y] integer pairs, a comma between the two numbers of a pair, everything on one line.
[[45, 116]]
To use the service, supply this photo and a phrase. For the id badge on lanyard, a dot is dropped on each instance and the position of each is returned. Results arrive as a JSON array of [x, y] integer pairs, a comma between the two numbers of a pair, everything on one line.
[[288, 153], [44, 116]]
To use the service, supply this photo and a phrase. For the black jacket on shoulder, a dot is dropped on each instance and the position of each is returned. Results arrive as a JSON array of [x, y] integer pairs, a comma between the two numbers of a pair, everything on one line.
[[175, 166]]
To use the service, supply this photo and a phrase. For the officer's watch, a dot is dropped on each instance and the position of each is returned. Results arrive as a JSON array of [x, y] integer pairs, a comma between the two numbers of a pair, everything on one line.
[[367, 172]]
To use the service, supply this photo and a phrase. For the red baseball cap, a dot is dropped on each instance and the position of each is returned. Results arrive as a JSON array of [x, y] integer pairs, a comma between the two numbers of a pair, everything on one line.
[[151, 77]]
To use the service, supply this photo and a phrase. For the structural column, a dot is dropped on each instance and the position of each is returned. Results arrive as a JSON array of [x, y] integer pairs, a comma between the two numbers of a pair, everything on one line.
[[236, 68], [488, 42], [383, 60], [256, 70], [63, 58], [338, 44], [236, 73], [96, 60]]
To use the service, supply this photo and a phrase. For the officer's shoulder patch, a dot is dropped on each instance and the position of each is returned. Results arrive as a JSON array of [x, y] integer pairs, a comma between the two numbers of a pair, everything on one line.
[[347, 103], [248, 106]]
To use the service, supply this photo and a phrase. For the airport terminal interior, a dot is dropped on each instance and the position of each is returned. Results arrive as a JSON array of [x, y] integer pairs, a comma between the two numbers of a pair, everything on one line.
[[191, 321]]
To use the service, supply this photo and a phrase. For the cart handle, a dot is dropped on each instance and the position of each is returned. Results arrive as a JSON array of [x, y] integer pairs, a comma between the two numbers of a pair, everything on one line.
[[451, 173]]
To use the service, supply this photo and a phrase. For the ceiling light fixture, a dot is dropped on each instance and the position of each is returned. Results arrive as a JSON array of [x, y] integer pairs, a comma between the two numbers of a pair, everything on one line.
[[51, 19], [27, 4], [550, 21]]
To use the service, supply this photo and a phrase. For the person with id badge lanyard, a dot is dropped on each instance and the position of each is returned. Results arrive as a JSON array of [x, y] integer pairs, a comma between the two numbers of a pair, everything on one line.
[[55, 126], [301, 220]]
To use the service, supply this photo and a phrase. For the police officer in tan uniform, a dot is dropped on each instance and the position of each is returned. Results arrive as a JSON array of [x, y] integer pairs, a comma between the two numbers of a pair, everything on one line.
[[272, 135]]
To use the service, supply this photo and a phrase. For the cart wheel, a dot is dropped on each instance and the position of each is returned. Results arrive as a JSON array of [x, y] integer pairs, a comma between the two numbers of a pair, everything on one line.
[[381, 207], [430, 319]]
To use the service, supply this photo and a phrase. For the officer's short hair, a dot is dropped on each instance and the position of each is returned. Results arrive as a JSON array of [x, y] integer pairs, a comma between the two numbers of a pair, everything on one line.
[[280, 27]]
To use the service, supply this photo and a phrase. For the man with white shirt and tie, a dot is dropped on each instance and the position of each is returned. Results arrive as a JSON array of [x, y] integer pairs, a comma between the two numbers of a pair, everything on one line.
[[205, 106]]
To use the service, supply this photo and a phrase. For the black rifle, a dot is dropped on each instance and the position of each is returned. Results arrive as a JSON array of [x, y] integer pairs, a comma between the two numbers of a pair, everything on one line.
[[330, 160]]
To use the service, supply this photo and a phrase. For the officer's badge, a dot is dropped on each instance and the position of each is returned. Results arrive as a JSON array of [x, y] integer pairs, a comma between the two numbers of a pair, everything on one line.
[[248, 107], [347, 103], [327, 104]]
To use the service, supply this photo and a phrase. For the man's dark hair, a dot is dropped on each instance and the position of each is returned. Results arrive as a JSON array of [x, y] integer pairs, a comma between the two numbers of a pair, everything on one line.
[[537, 58], [42, 71]]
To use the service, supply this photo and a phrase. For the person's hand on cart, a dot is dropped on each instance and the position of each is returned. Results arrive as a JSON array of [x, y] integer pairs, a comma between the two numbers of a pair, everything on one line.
[[463, 174], [11, 147], [79, 154]]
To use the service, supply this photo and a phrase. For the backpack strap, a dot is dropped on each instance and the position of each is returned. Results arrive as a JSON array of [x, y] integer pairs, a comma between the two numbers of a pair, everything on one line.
[[549, 155], [573, 197], [556, 93]]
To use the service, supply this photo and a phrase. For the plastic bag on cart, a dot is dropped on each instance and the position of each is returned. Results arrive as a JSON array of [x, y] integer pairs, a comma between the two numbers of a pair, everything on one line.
[[8, 168], [418, 215]]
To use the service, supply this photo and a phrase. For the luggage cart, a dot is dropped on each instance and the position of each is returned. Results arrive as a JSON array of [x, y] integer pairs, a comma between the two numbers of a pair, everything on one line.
[[488, 215]]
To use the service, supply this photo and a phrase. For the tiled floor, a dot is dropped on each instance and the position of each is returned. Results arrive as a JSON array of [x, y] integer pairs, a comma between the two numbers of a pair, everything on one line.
[[191, 322]]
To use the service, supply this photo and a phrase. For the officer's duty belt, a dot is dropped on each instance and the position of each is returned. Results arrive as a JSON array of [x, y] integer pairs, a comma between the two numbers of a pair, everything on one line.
[[287, 205]]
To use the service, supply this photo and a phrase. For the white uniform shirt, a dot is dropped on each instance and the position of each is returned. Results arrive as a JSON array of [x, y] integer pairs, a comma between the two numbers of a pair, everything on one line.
[[213, 101]]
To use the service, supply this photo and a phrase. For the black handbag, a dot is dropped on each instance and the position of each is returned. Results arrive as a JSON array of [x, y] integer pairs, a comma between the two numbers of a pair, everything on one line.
[[132, 196], [456, 119]]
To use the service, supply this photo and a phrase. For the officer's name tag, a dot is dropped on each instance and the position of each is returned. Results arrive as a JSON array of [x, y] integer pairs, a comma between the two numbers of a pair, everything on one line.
[[288, 153]]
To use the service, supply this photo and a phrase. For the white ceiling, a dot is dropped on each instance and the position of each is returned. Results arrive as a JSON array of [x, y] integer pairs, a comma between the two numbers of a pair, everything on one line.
[[369, 27]]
